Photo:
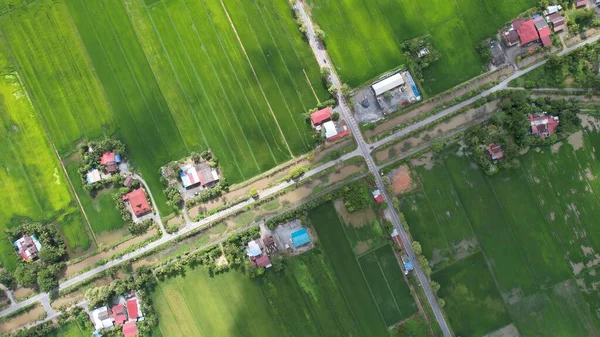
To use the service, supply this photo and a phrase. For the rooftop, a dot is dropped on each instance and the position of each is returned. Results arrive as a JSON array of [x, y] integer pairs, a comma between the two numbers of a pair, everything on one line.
[[137, 200], [300, 237], [387, 84], [527, 32], [495, 150], [130, 329], [133, 308], [107, 158], [28, 247], [320, 116], [189, 176]]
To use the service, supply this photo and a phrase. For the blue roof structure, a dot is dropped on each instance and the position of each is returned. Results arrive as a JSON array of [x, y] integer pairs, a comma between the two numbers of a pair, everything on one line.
[[300, 237], [408, 265], [117, 158]]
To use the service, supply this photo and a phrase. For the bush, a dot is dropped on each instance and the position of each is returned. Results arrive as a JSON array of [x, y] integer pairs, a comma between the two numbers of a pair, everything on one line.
[[356, 197], [335, 116]]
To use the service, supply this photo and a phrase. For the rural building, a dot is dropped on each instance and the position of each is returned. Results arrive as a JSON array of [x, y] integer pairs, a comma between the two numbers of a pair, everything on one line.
[[552, 9], [110, 160], [319, 117], [543, 31], [198, 175], [495, 151], [118, 314], [300, 238], [377, 196], [28, 247], [511, 37], [138, 202], [102, 318], [580, 3], [133, 309], [408, 266], [396, 238], [333, 130], [387, 84], [256, 256], [527, 31], [557, 21], [543, 126], [93, 176], [128, 181], [270, 245], [130, 329]]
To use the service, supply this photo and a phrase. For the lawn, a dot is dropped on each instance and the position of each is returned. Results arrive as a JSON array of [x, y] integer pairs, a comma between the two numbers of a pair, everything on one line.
[[32, 182], [473, 304], [364, 38], [100, 207], [71, 329], [534, 226]]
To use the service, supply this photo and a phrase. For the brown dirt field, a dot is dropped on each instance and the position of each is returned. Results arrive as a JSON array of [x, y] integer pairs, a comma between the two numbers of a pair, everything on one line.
[[108, 238], [508, 331], [178, 220], [443, 99], [91, 261], [589, 122], [577, 38], [68, 300], [22, 293], [363, 247], [22, 320], [426, 160], [401, 179], [265, 182], [440, 130], [356, 219], [576, 140]]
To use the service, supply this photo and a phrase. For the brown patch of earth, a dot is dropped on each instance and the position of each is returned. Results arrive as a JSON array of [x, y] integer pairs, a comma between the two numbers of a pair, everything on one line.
[[68, 299], [465, 248], [552, 216], [442, 99], [91, 261], [426, 160], [221, 261], [577, 267], [556, 147], [576, 140], [322, 153], [108, 238], [22, 320], [513, 296], [23, 293], [356, 219], [589, 174], [400, 179], [589, 122], [508, 331], [178, 220], [443, 129], [437, 258], [363, 247]]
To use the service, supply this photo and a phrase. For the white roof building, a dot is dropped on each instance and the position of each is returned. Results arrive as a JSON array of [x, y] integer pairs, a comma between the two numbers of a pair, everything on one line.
[[189, 176], [253, 249], [102, 318], [330, 129], [387, 84], [93, 176]]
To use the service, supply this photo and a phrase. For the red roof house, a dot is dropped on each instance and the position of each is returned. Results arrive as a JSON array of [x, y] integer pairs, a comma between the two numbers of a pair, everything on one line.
[[543, 126], [108, 159], [118, 314], [580, 3], [396, 237], [377, 196], [262, 261], [517, 24], [527, 32], [558, 21], [132, 308], [137, 200], [28, 247], [495, 151], [319, 117], [130, 329]]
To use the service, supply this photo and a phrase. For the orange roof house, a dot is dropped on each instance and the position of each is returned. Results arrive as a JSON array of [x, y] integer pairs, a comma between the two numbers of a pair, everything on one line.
[[130, 329], [319, 117], [527, 32], [495, 151], [138, 202], [118, 314]]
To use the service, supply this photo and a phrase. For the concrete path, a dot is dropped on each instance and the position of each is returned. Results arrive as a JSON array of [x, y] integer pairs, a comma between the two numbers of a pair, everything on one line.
[[323, 60]]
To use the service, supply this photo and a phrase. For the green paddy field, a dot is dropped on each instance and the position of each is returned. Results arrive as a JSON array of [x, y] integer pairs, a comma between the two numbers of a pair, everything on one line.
[[519, 247], [364, 37]]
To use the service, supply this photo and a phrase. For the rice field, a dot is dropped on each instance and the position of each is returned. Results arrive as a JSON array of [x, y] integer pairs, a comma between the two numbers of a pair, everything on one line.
[[364, 38], [526, 234]]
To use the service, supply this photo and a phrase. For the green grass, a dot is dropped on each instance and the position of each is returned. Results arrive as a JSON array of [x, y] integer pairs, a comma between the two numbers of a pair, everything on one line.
[[366, 236], [347, 269], [32, 183], [417, 326], [100, 208], [364, 37], [385, 280], [535, 227], [71, 329], [473, 304]]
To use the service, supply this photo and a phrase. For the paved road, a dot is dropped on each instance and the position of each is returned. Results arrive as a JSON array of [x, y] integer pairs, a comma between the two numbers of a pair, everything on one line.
[[323, 60], [502, 85]]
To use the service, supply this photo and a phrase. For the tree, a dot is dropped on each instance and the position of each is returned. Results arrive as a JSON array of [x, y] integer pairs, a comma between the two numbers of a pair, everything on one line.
[[319, 33], [98, 296], [585, 17], [335, 116], [6, 279], [51, 255], [435, 286], [195, 157], [416, 246], [26, 274], [46, 280], [387, 96], [254, 193]]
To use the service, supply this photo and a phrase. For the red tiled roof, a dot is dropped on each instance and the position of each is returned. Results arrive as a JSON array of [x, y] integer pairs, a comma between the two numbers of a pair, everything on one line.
[[580, 3], [379, 199], [132, 308], [527, 32], [118, 314], [107, 158], [398, 241], [543, 126], [495, 151], [137, 200], [546, 41], [263, 261], [320, 116], [544, 32], [28, 246], [517, 24], [130, 329]]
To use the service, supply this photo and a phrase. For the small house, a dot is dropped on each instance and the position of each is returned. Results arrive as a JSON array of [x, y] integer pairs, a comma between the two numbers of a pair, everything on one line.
[[128, 181], [28, 247], [511, 37], [377, 196], [138, 202], [543, 126], [408, 266], [552, 9], [102, 318], [130, 329], [189, 176], [133, 309], [580, 3], [495, 151], [110, 160], [557, 21], [543, 31], [208, 176], [300, 238], [396, 238], [319, 117], [334, 130], [527, 31], [118, 314], [256, 256], [93, 176]]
